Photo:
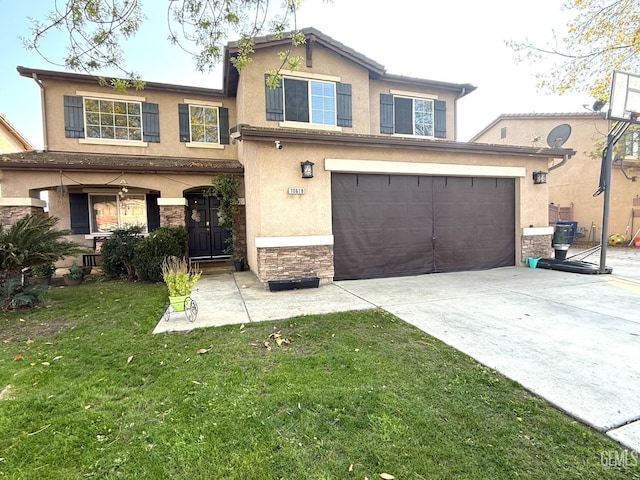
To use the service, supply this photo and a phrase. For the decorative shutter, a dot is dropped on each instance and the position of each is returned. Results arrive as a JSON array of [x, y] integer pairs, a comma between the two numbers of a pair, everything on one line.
[[296, 100], [73, 117], [403, 115], [79, 212], [183, 122], [386, 113], [440, 120], [343, 101], [153, 212], [150, 122], [223, 114], [275, 101]]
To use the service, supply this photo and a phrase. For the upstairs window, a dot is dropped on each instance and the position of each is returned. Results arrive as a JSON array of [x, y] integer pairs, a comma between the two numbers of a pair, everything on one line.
[[631, 144], [203, 124], [316, 102], [420, 117], [116, 120], [108, 119]]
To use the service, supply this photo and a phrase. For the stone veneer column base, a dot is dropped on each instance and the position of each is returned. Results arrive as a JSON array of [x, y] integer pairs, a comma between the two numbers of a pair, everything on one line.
[[536, 246], [173, 216], [10, 215], [282, 263]]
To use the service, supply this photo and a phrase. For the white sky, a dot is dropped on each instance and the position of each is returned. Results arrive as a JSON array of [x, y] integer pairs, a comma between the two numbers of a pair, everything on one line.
[[459, 41]]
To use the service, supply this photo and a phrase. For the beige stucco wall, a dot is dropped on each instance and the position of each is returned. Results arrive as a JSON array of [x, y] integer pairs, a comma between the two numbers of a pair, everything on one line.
[[8, 142], [169, 144], [575, 182]]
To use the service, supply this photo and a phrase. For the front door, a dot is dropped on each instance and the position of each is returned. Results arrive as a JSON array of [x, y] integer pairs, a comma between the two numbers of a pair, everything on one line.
[[206, 238]]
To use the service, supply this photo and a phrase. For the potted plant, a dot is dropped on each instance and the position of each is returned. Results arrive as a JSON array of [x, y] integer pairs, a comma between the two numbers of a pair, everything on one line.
[[75, 275], [41, 274], [180, 277]]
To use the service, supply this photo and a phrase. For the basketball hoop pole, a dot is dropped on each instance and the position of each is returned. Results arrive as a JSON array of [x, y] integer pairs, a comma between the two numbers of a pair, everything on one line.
[[615, 134]]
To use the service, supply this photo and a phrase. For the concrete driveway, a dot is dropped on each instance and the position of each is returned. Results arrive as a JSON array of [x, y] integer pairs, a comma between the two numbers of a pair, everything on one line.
[[572, 339]]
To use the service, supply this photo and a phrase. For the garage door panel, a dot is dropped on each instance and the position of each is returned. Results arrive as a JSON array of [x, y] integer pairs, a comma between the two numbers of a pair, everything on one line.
[[392, 220]]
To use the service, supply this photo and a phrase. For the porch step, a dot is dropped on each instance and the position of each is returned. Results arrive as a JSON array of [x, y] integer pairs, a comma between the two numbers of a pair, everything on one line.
[[214, 267]]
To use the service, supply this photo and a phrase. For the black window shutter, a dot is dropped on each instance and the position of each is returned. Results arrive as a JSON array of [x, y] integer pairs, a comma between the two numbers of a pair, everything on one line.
[[275, 101], [440, 120], [224, 125], [386, 113], [79, 212], [296, 100], [403, 115], [153, 212], [150, 122], [183, 122], [343, 101], [73, 117]]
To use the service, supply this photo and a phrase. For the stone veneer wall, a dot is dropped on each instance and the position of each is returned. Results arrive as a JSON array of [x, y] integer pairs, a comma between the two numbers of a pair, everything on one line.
[[536, 246], [10, 215], [282, 263], [240, 232], [172, 216]]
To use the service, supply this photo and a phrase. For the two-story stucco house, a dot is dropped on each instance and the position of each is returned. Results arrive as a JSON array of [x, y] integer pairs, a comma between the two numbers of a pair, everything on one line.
[[573, 183], [391, 192]]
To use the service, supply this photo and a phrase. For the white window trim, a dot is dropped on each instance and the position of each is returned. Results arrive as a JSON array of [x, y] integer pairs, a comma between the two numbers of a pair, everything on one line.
[[217, 146], [309, 75], [110, 96], [404, 93], [310, 126], [203, 103], [109, 141]]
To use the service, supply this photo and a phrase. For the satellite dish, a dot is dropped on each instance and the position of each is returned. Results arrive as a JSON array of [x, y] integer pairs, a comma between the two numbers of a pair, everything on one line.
[[558, 135]]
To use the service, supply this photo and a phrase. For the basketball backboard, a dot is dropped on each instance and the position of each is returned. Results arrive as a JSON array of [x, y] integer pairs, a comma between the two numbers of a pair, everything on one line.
[[624, 104]]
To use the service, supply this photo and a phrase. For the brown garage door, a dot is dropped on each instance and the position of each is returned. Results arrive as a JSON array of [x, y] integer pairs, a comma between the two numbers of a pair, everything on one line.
[[394, 225]]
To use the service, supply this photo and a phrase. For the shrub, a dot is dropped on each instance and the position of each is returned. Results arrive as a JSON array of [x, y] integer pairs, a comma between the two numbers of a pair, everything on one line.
[[153, 249], [14, 294], [118, 252]]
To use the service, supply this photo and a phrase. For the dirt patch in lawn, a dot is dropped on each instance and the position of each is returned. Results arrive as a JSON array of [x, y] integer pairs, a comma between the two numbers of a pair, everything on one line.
[[17, 330]]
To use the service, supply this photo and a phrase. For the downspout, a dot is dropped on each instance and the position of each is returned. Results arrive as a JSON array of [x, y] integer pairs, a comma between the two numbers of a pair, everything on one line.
[[43, 111], [562, 162], [463, 92]]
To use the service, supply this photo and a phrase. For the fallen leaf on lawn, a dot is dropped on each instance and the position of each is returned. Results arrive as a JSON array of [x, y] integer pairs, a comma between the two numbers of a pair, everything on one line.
[[203, 350], [351, 467], [357, 349], [32, 364], [29, 342], [87, 407], [196, 382], [58, 357], [242, 327], [387, 476], [46, 364], [129, 359], [267, 346], [17, 358], [279, 341], [519, 419]]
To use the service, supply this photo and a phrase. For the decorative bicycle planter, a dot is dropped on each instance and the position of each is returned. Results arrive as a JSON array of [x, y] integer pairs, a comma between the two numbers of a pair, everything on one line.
[[185, 305]]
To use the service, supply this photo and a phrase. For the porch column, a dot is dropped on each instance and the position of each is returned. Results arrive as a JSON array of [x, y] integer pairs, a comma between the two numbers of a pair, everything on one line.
[[13, 209], [173, 212]]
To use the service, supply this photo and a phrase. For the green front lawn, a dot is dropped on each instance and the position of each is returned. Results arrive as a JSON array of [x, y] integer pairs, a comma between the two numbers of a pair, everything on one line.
[[89, 392]]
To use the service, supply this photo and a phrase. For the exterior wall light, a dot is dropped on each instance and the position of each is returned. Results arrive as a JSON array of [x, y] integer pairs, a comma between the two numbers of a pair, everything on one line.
[[539, 177], [307, 169]]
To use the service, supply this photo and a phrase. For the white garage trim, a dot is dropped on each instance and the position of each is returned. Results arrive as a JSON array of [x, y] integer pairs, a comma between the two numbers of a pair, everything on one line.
[[301, 241], [410, 168]]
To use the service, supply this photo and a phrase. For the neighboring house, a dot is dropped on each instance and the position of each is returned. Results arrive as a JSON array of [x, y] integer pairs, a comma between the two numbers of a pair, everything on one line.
[[573, 183], [392, 192], [11, 140]]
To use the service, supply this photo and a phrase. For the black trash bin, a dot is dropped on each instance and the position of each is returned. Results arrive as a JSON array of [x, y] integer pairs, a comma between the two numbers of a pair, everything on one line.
[[572, 232], [561, 241]]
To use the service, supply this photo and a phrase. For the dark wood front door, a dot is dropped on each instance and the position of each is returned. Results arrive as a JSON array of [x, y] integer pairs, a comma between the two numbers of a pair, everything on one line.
[[206, 238]]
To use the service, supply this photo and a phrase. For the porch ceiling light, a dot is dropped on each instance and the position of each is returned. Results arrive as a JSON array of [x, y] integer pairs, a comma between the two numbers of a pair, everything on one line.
[[539, 177], [307, 169]]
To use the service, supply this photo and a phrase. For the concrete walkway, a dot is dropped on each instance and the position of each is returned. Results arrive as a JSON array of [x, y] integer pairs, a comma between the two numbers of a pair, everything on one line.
[[572, 339]]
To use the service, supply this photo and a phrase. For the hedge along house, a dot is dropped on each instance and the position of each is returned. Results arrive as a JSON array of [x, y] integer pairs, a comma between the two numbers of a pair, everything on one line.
[[390, 193]]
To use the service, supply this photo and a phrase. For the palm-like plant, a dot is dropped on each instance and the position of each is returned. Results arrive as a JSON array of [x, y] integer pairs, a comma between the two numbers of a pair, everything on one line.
[[32, 241]]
